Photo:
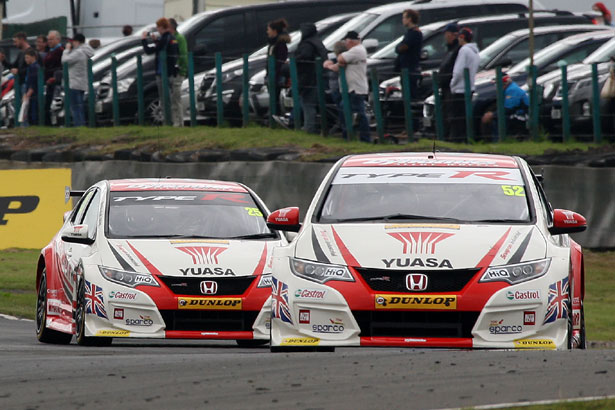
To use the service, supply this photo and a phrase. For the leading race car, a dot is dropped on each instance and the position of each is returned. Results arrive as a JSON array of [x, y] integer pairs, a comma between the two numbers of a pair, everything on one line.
[[158, 258], [428, 250]]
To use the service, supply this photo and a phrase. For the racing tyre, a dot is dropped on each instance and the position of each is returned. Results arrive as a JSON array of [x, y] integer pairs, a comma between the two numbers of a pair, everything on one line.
[[80, 336], [582, 342], [569, 322], [43, 334], [250, 342]]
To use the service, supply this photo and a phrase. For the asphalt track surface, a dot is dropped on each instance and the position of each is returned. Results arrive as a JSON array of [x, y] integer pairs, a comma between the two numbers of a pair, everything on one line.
[[161, 374]]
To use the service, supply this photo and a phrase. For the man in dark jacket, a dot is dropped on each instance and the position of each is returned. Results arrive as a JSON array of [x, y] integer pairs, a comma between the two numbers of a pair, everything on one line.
[[446, 71], [19, 66], [409, 49], [164, 42], [308, 50], [52, 64]]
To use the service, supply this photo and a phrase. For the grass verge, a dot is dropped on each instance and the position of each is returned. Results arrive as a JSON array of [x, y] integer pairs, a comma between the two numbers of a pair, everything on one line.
[[18, 292], [169, 140], [576, 405]]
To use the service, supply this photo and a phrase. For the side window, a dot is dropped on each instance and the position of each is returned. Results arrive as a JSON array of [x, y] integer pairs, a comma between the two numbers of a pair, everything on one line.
[[225, 34], [91, 213], [486, 34], [574, 56], [435, 47], [503, 9], [81, 207], [387, 31]]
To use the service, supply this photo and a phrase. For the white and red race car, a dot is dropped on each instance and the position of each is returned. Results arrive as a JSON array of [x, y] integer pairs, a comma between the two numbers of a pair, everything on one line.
[[158, 258], [429, 250]]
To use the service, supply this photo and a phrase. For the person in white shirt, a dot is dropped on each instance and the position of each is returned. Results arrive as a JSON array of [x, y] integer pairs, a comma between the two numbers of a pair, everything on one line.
[[466, 58], [355, 62]]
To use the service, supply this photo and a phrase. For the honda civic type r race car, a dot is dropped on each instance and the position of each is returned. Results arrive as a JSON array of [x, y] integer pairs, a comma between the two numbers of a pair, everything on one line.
[[158, 258], [428, 250]]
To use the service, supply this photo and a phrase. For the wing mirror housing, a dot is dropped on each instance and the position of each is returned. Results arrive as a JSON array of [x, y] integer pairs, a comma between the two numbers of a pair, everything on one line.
[[370, 44], [285, 219], [565, 221], [77, 234]]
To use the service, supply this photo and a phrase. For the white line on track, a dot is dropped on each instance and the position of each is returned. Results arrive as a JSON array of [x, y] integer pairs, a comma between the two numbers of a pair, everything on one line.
[[9, 317], [532, 403]]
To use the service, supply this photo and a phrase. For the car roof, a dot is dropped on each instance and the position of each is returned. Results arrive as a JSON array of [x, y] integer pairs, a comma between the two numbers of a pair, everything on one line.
[[435, 4], [429, 159], [577, 38], [524, 32], [174, 184]]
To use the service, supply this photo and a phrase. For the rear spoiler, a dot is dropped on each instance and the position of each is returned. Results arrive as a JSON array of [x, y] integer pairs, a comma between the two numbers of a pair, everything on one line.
[[68, 193]]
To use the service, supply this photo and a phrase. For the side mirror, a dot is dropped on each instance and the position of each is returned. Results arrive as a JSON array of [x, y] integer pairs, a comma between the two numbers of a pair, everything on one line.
[[77, 234], [424, 55], [370, 44], [285, 219], [567, 222]]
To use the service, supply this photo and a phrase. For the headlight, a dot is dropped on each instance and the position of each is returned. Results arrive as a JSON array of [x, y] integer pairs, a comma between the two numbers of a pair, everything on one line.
[[319, 272], [130, 279], [124, 85], [518, 273]]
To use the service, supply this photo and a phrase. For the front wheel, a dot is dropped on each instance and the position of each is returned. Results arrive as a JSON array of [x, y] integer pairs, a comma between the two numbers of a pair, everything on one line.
[[80, 313], [44, 334]]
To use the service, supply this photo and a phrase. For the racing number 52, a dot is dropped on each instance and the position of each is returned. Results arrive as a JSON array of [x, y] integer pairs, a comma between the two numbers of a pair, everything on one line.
[[513, 190]]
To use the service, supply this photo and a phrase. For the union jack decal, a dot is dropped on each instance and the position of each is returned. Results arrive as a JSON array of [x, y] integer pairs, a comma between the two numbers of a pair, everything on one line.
[[94, 300], [557, 305], [203, 254], [279, 301], [420, 242]]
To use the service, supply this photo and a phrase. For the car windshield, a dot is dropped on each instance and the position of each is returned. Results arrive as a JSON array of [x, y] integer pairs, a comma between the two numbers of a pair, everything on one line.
[[357, 24], [603, 54], [494, 49], [381, 194], [190, 214]]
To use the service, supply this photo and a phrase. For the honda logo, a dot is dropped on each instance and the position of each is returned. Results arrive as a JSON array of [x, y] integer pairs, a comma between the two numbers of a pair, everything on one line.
[[209, 287], [416, 282]]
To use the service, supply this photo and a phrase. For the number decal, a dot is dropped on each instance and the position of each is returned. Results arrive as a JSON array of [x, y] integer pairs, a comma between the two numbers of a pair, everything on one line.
[[253, 211], [513, 190]]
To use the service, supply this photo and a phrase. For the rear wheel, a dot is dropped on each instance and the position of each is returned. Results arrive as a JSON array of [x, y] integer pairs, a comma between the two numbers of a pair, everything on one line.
[[582, 341], [43, 334], [82, 339]]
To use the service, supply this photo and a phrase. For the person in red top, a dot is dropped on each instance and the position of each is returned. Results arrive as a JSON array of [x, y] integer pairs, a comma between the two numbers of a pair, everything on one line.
[[606, 14], [52, 64]]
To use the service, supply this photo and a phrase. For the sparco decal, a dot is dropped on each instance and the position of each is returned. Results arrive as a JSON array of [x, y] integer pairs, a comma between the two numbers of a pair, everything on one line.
[[209, 303], [142, 321], [207, 271], [17, 205], [523, 295], [436, 302], [328, 328], [417, 262], [497, 328], [310, 293]]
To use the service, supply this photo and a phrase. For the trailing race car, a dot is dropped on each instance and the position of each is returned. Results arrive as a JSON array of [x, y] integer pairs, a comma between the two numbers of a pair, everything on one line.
[[428, 250], [158, 258]]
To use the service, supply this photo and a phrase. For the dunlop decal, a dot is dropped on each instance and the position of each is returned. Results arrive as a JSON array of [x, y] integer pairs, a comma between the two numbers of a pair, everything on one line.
[[113, 333], [209, 303], [300, 341], [435, 302], [535, 344]]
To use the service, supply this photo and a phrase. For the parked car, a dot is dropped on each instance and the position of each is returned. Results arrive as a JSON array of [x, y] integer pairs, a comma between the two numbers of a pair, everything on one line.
[[428, 250], [152, 258]]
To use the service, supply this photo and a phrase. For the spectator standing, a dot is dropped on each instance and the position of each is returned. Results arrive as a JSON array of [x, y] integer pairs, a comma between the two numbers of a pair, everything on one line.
[[41, 46], [516, 103], [409, 49], [76, 55], [445, 71], [310, 47], [31, 83], [127, 30], [19, 65], [278, 37], [606, 14], [355, 62], [334, 86], [53, 69], [466, 58], [177, 109], [163, 42]]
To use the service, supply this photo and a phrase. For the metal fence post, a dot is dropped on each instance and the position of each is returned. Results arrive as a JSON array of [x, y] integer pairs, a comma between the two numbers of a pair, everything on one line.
[[191, 89], [40, 96], [17, 100], [565, 108], [406, 95], [501, 111], [219, 102], [165, 89], [295, 91], [245, 96], [116, 100], [271, 86], [376, 105], [67, 101], [468, 103], [596, 105], [322, 105], [439, 122], [91, 97], [534, 103], [140, 98], [346, 105]]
